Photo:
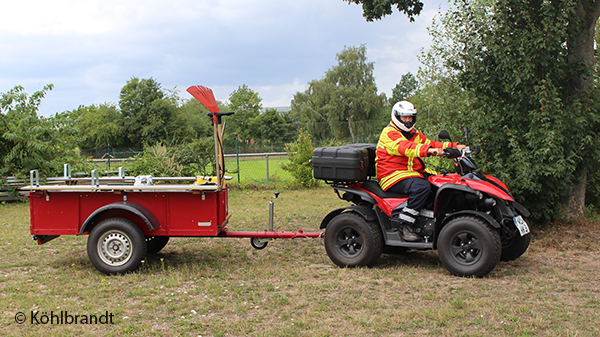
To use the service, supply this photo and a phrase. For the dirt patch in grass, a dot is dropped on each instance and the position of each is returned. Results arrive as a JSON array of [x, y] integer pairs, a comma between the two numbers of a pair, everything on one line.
[[580, 235]]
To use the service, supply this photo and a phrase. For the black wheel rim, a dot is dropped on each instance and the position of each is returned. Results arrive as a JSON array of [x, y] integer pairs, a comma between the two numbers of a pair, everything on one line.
[[466, 248], [349, 242]]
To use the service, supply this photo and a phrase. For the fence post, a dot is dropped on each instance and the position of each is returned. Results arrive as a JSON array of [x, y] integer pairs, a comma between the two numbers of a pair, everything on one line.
[[237, 156], [267, 158], [108, 150]]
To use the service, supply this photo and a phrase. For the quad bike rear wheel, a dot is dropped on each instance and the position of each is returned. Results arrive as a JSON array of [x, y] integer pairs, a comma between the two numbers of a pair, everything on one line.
[[351, 241], [467, 246]]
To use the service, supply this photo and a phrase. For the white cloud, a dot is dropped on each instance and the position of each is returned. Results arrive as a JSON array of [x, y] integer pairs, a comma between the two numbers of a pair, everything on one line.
[[89, 49]]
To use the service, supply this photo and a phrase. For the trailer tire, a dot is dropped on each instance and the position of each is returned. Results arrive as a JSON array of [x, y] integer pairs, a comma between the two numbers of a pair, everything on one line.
[[155, 244], [351, 241], [116, 246]]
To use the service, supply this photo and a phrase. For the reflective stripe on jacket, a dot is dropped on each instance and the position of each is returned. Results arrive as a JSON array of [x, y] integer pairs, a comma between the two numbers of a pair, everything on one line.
[[399, 155]]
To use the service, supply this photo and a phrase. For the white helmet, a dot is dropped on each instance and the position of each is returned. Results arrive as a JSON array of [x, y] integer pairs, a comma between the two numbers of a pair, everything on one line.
[[404, 108]]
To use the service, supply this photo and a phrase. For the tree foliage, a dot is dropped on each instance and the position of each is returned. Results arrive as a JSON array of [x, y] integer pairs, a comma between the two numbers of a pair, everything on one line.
[[506, 73], [407, 87], [151, 115], [376, 9], [300, 153], [29, 141], [347, 93], [247, 105], [99, 125]]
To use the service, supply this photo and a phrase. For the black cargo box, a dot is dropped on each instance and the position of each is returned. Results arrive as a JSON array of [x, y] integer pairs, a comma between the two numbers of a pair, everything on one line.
[[371, 148], [344, 164]]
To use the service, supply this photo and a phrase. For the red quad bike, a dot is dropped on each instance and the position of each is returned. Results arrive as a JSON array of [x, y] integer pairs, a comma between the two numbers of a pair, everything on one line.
[[470, 218]]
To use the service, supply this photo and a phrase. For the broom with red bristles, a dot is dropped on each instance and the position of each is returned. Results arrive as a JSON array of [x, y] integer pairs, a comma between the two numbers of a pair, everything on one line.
[[207, 98]]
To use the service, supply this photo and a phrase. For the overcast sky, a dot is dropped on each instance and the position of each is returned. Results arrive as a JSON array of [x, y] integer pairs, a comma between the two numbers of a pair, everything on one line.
[[89, 49]]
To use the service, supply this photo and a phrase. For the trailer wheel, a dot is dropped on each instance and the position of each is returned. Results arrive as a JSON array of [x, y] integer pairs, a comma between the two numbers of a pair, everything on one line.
[[155, 244], [351, 241], [469, 247], [258, 243], [116, 246]]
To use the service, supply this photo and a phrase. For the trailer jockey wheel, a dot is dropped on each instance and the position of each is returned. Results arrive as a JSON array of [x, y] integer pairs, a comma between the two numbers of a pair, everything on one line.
[[116, 246], [259, 243]]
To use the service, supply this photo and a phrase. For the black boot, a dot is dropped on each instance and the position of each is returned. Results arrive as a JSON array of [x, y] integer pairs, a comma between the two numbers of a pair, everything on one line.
[[409, 235]]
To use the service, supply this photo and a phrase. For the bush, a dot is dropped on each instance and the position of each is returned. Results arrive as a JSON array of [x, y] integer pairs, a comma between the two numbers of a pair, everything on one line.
[[190, 160], [196, 157], [300, 153], [156, 161]]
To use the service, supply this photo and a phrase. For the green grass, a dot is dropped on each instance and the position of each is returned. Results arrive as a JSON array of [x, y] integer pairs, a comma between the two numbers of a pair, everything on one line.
[[223, 287], [253, 170]]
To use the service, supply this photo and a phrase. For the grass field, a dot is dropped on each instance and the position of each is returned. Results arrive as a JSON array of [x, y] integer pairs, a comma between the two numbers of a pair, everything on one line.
[[253, 170], [223, 287]]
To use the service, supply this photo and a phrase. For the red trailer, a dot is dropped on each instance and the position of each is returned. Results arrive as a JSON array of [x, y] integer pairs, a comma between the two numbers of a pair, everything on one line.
[[128, 217]]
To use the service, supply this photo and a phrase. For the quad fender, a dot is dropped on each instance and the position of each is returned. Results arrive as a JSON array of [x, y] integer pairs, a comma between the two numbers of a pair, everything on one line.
[[521, 209], [364, 211], [484, 216], [446, 188], [363, 194], [130, 207]]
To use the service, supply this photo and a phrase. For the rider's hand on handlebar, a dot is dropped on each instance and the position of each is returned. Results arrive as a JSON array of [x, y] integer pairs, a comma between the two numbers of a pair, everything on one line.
[[460, 147], [435, 152]]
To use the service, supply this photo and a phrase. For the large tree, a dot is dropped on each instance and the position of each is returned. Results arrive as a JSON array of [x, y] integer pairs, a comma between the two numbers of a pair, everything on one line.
[[150, 114], [529, 67], [407, 87], [29, 141], [331, 106], [99, 125], [247, 104]]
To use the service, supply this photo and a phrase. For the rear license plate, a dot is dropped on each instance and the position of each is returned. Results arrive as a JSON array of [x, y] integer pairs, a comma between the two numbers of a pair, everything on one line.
[[521, 225]]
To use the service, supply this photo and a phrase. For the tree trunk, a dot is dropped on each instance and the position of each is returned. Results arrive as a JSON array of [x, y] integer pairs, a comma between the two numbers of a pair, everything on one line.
[[580, 44], [349, 119], [575, 207]]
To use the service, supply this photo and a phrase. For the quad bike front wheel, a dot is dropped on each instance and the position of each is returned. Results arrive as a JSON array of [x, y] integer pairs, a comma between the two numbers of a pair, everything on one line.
[[351, 241], [467, 246]]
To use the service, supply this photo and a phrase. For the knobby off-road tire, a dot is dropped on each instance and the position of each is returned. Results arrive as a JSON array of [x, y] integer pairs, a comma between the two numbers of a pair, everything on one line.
[[116, 246], [515, 247], [155, 244], [468, 246], [351, 241]]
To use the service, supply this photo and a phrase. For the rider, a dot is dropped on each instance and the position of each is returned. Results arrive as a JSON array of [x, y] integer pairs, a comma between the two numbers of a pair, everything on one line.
[[400, 167]]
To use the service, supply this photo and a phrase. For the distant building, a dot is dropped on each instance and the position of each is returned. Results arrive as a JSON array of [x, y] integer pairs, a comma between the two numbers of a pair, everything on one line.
[[280, 109]]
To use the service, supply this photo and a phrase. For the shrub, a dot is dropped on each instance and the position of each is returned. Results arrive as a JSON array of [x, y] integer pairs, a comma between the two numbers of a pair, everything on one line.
[[300, 153]]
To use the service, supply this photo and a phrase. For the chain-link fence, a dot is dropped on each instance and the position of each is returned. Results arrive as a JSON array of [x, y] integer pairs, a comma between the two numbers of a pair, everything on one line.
[[259, 160]]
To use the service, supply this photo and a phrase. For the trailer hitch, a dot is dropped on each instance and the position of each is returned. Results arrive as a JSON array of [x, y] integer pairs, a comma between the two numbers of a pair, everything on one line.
[[260, 239]]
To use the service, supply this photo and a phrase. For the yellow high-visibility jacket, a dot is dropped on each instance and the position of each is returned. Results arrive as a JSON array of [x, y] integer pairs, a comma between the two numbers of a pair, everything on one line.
[[399, 155]]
